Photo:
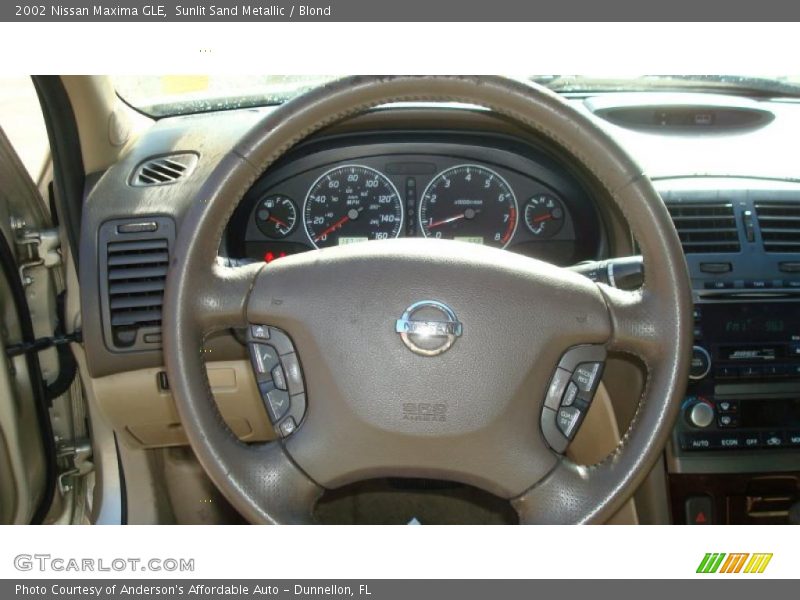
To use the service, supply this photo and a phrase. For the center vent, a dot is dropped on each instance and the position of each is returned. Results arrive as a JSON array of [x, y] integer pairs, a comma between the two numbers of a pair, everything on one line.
[[134, 263], [705, 227], [163, 170], [779, 223]]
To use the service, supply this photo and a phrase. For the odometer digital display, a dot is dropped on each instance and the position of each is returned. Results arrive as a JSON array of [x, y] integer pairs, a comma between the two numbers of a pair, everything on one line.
[[352, 203], [470, 203]]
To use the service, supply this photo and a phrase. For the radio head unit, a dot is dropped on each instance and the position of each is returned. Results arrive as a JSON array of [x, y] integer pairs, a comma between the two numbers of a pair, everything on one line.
[[744, 391]]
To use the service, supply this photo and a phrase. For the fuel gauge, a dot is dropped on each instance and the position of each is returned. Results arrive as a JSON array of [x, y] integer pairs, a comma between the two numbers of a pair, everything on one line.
[[544, 215], [276, 216]]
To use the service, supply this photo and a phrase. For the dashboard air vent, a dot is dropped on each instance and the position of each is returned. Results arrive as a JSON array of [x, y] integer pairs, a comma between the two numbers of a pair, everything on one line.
[[163, 170], [134, 258], [705, 226], [780, 225]]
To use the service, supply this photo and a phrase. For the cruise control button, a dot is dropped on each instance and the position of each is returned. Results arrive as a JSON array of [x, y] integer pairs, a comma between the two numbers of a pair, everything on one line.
[[567, 420], [587, 375], [556, 389], [264, 359], [570, 394], [294, 376], [278, 378], [277, 404]]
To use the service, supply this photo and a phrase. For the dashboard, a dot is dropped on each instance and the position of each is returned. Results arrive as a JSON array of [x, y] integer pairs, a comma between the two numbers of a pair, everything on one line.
[[466, 175], [485, 190]]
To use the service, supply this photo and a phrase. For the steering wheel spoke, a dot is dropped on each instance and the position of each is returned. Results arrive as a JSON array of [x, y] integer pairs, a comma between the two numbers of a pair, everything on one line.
[[637, 322], [281, 487], [220, 296]]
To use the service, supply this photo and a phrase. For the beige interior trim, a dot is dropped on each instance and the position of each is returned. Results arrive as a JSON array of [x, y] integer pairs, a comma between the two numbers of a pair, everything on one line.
[[106, 125], [146, 417]]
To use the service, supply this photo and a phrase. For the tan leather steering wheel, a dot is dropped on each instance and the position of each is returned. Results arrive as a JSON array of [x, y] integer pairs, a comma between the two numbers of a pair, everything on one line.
[[339, 306]]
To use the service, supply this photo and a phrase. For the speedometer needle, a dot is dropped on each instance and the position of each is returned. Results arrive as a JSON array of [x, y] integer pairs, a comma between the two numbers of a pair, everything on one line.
[[352, 214]]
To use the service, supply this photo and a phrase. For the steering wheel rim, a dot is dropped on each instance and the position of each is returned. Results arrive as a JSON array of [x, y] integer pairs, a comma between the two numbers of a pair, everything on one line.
[[279, 482]]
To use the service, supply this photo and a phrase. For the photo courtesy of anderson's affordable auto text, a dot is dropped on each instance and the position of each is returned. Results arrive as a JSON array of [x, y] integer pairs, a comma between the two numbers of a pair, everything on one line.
[[525, 322]]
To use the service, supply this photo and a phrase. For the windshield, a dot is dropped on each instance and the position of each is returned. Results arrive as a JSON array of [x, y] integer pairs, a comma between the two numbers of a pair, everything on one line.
[[183, 94]]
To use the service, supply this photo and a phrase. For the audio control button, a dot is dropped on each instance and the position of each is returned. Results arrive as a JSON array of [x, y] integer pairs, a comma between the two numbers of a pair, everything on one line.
[[700, 364]]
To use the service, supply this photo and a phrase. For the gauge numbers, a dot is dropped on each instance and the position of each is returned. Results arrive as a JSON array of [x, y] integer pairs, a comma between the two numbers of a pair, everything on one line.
[[469, 203], [350, 204]]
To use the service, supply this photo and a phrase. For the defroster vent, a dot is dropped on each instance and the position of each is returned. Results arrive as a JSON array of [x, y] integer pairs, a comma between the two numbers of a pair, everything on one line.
[[162, 170]]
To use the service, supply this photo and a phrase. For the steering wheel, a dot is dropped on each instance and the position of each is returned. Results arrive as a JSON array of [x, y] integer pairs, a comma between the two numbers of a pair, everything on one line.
[[496, 407]]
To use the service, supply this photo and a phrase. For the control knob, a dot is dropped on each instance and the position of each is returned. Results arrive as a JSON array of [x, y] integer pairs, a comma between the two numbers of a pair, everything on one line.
[[700, 413]]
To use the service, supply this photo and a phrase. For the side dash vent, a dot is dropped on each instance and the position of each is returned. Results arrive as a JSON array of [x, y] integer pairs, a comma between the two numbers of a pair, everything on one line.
[[705, 227], [134, 257], [779, 223]]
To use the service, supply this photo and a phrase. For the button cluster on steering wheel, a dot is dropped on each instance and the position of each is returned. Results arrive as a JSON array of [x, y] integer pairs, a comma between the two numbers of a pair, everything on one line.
[[279, 377], [570, 394]]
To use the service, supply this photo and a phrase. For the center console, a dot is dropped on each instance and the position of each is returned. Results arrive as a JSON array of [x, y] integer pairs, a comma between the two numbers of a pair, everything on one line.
[[744, 393], [734, 456]]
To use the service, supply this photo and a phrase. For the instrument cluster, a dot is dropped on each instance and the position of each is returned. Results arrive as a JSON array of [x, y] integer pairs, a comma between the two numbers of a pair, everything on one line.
[[480, 194]]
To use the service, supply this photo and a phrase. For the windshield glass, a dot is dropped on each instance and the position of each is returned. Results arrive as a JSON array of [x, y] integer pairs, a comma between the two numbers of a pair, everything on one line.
[[182, 94]]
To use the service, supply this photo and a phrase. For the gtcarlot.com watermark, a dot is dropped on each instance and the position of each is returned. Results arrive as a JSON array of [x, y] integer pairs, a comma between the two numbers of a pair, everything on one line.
[[44, 563]]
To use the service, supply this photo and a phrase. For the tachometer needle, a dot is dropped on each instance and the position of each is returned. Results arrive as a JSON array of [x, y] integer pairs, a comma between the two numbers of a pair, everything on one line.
[[445, 221]]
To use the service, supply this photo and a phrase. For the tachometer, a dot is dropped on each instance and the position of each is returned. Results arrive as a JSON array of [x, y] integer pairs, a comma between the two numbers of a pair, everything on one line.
[[469, 203], [352, 203]]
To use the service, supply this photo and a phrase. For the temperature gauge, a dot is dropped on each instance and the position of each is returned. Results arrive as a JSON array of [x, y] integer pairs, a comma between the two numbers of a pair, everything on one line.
[[276, 216], [544, 215]]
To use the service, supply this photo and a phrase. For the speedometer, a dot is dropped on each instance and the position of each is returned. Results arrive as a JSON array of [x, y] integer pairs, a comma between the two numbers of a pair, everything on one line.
[[352, 203], [469, 203]]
